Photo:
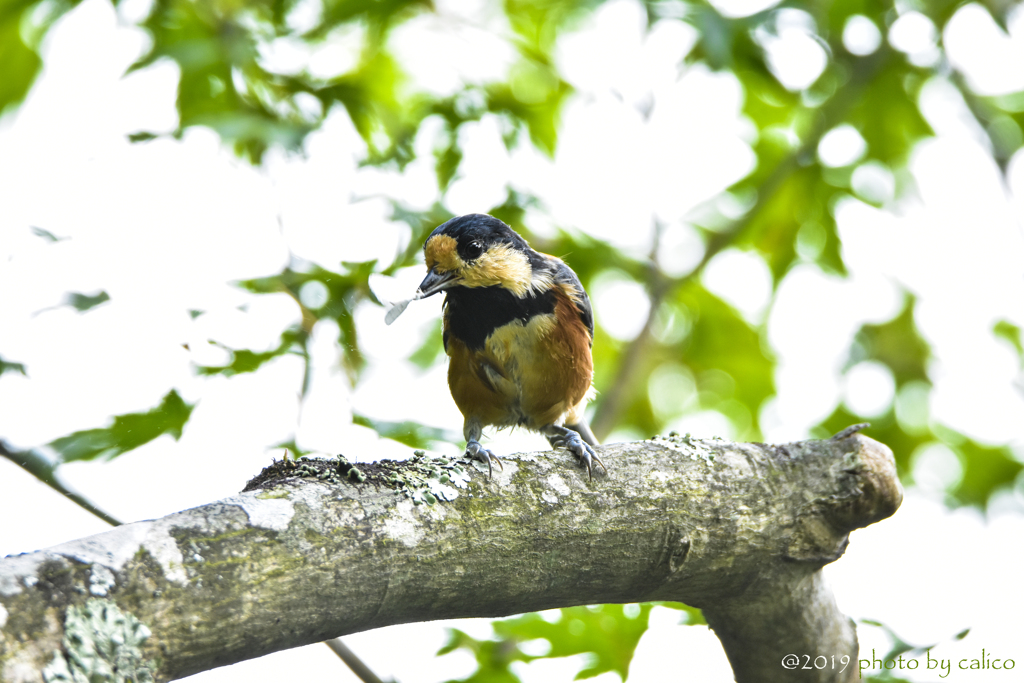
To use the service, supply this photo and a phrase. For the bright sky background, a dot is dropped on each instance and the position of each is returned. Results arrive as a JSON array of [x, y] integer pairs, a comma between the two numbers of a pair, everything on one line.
[[164, 227]]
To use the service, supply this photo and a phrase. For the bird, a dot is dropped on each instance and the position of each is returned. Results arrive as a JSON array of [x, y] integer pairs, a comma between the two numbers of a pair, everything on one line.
[[518, 329]]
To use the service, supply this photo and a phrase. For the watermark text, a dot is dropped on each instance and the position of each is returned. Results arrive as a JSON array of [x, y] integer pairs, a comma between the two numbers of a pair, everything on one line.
[[942, 667]]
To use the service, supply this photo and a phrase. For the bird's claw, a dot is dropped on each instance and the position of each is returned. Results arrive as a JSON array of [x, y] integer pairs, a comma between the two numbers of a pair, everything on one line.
[[583, 451], [476, 451]]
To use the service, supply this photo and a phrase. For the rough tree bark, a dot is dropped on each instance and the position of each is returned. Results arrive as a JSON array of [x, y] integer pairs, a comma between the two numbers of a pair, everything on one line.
[[739, 530]]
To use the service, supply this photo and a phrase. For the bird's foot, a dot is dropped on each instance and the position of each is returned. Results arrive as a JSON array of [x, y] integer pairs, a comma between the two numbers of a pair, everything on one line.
[[477, 452], [562, 437]]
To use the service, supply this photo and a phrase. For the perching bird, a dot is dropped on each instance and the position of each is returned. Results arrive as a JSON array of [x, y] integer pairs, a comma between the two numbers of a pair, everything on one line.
[[518, 329]]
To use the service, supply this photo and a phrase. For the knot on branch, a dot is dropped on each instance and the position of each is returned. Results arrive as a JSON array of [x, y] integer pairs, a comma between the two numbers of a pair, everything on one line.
[[875, 491], [870, 491]]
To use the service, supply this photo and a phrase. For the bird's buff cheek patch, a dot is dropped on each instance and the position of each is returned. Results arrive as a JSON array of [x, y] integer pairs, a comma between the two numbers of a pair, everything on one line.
[[500, 265], [441, 253]]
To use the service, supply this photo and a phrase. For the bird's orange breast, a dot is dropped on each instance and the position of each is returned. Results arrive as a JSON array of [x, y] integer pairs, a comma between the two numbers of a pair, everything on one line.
[[532, 373]]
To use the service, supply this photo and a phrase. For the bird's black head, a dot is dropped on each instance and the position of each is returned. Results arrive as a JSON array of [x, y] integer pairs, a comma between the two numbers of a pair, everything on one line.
[[474, 234], [478, 250]]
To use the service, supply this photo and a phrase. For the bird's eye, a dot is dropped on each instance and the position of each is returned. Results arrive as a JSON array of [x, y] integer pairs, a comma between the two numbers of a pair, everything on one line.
[[474, 249]]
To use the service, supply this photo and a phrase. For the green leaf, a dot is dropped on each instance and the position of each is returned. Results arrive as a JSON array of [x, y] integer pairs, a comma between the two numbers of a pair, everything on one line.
[[941, 11], [242, 361], [84, 302], [896, 344], [1012, 103], [293, 340], [535, 95], [725, 353], [691, 615], [221, 84], [127, 432], [20, 62], [462, 107], [802, 198], [292, 449], [607, 632], [714, 47], [492, 657], [408, 432], [725, 42], [371, 94], [344, 290], [538, 24], [513, 210], [840, 11], [429, 351], [768, 104], [380, 16], [886, 113], [47, 235], [448, 159], [11, 366], [142, 136], [1004, 329], [986, 468], [421, 224]]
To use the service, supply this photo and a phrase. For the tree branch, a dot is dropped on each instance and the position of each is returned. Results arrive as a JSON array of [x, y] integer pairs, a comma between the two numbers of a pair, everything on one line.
[[45, 471], [739, 530]]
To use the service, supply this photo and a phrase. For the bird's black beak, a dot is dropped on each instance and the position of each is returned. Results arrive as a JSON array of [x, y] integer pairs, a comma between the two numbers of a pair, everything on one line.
[[434, 282]]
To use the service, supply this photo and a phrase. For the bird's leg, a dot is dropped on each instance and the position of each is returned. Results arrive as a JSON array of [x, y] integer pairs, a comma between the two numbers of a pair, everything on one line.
[[564, 437], [583, 429], [473, 430]]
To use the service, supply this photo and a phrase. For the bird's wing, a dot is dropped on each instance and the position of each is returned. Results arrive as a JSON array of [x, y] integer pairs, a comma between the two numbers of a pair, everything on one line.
[[569, 282]]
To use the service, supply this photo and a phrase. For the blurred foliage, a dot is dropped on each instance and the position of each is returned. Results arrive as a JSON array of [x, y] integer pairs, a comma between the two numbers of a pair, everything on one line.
[[18, 56], [696, 352], [45, 234], [410, 433], [897, 344], [607, 633], [83, 302], [906, 427], [1004, 329], [127, 432], [78, 301], [293, 341], [11, 366], [319, 293]]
